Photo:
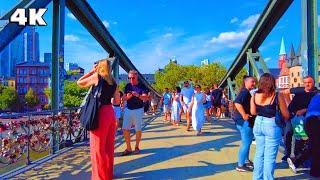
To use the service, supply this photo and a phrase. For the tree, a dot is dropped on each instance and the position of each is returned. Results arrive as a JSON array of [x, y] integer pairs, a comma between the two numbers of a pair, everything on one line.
[[31, 98], [8, 98], [73, 94], [47, 92], [173, 74], [122, 85]]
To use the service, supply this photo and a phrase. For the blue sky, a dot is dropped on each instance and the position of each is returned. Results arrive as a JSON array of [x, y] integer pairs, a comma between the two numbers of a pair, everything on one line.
[[152, 32]]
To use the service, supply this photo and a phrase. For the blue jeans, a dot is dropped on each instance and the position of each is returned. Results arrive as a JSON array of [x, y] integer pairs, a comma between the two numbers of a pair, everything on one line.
[[246, 140], [268, 138]]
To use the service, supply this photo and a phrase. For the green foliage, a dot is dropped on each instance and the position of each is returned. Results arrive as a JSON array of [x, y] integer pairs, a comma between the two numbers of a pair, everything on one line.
[[206, 75], [31, 98], [47, 92], [8, 98], [72, 72], [73, 94], [122, 85]]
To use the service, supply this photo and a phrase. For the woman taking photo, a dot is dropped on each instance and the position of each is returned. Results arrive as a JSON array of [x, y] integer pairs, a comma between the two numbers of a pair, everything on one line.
[[102, 138], [265, 103]]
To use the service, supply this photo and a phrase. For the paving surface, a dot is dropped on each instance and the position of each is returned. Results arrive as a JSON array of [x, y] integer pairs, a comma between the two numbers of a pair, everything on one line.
[[167, 152]]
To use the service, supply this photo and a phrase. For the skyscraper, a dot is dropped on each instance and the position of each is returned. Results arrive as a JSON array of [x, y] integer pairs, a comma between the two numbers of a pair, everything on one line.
[[24, 48], [32, 41]]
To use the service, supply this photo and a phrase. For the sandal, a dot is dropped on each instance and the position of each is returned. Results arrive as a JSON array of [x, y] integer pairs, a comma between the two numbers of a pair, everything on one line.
[[136, 151], [126, 153]]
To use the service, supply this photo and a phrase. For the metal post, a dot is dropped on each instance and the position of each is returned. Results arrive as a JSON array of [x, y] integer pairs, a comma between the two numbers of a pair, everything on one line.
[[55, 55], [62, 71], [253, 67], [231, 86], [57, 62], [312, 29], [115, 69], [28, 141], [250, 70]]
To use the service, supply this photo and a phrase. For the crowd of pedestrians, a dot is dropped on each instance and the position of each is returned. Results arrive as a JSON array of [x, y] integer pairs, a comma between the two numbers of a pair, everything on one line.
[[272, 116], [261, 112]]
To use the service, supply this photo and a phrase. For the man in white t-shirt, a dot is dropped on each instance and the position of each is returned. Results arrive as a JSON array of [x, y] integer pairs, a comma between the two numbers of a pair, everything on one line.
[[185, 99]]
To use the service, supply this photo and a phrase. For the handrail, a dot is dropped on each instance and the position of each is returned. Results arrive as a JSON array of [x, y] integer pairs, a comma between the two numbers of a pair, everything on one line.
[[41, 133]]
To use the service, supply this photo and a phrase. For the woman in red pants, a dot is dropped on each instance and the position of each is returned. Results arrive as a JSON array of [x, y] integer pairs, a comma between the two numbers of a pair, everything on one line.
[[102, 138]]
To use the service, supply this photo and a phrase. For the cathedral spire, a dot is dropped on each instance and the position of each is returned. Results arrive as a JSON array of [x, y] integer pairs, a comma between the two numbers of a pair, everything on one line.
[[282, 48]]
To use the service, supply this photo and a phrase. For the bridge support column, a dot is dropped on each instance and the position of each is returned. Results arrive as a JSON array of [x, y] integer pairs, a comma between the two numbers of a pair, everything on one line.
[[312, 36], [255, 59], [231, 89], [115, 69], [57, 72]]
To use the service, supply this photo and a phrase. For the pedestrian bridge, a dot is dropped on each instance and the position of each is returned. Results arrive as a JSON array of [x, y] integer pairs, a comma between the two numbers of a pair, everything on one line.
[[167, 152]]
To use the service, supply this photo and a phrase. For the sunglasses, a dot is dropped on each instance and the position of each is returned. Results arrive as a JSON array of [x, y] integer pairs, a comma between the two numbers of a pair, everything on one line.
[[131, 78], [197, 87]]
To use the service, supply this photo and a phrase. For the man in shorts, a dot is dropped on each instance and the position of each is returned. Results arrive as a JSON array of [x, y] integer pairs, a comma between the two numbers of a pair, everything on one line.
[[185, 99], [135, 93]]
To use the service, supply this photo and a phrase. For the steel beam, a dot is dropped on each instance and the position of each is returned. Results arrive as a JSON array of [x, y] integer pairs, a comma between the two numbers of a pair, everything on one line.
[[115, 70], [267, 20], [21, 4], [253, 67], [231, 85], [57, 54], [62, 72], [12, 30], [87, 17], [312, 36]]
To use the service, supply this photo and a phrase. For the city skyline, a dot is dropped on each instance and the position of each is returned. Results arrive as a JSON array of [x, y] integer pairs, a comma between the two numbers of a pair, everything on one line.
[[168, 31]]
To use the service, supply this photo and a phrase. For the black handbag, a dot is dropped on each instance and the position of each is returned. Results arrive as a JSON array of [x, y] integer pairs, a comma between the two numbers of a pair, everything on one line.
[[90, 106], [278, 117]]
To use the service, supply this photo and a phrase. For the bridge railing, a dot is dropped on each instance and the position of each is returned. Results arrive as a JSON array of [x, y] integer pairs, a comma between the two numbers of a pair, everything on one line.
[[26, 138]]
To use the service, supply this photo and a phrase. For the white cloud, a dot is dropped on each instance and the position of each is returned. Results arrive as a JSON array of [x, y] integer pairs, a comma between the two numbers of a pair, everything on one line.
[[106, 23], [234, 20], [71, 16], [250, 21], [167, 35], [267, 59], [231, 39], [71, 38], [155, 52], [85, 54]]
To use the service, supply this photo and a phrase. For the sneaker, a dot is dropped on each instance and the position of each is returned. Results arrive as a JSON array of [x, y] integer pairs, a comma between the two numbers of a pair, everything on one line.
[[284, 158], [153, 114], [249, 164], [291, 165], [243, 169]]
